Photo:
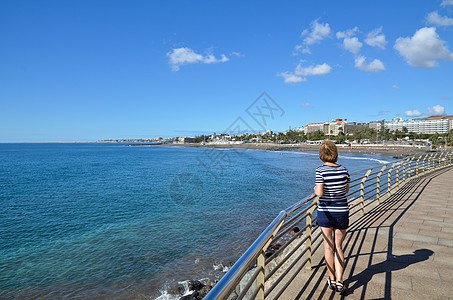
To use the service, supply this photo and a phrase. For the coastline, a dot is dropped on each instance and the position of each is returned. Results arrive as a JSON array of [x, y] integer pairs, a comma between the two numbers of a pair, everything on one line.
[[393, 151]]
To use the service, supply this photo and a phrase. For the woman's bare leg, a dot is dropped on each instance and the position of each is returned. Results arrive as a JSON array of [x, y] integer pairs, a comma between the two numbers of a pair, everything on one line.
[[339, 255], [329, 250]]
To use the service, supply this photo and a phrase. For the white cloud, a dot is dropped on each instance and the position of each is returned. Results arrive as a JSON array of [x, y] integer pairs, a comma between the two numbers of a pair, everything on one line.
[[395, 87], [446, 2], [350, 43], [309, 105], [183, 56], [412, 113], [300, 73], [435, 19], [374, 66], [313, 70], [291, 78], [236, 54], [347, 33], [436, 110], [423, 48], [317, 32], [376, 38]]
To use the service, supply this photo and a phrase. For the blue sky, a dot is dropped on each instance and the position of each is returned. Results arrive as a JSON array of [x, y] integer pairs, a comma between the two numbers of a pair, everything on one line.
[[92, 70]]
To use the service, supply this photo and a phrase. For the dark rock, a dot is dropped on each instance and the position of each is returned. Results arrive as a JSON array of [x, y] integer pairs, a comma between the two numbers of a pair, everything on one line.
[[268, 253], [195, 285]]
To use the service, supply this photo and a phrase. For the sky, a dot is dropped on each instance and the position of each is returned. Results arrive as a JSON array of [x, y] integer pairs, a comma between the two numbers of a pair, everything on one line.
[[95, 70]]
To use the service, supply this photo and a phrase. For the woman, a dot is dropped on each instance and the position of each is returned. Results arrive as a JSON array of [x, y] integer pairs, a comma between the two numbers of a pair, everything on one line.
[[332, 185]]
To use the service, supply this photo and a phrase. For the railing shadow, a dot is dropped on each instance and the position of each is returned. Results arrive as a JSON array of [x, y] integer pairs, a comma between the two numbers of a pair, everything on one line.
[[393, 263], [372, 225]]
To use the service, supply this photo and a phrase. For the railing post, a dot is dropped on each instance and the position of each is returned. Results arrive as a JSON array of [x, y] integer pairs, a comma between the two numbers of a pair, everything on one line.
[[409, 169], [362, 192], [260, 264], [309, 232], [425, 159], [417, 170], [389, 183], [378, 185], [404, 170], [430, 158], [398, 175]]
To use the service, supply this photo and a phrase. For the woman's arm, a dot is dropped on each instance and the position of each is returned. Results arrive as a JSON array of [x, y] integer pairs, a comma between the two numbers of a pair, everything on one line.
[[319, 189]]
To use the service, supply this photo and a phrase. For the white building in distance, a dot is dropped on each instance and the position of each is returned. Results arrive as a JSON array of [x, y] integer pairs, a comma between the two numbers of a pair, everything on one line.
[[429, 125]]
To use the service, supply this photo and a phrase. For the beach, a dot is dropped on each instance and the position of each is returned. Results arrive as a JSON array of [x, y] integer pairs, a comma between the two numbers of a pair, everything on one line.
[[384, 150]]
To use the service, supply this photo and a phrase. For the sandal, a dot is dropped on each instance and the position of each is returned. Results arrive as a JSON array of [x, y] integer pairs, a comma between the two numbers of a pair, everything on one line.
[[339, 287], [331, 284]]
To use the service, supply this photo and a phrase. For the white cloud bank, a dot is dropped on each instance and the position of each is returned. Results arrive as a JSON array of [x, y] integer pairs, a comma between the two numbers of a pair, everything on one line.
[[376, 38], [350, 43], [446, 2], [317, 32], [183, 56], [301, 72], [309, 105], [374, 66], [436, 110], [291, 78], [435, 19], [423, 48], [313, 70], [412, 113]]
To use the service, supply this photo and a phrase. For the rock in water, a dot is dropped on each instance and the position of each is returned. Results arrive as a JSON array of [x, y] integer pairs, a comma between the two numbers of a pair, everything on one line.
[[195, 285]]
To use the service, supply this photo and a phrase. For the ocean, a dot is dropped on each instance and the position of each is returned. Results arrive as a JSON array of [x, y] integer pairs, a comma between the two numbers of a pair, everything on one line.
[[115, 221]]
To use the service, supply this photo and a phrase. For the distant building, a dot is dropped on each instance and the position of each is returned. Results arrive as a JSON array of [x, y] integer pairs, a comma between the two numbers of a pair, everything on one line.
[[336, 127], [351, 126], [429, 125], [186, 140], [313, 127]]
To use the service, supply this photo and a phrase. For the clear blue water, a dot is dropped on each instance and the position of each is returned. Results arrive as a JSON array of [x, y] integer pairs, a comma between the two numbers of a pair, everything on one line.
[[113, 221]]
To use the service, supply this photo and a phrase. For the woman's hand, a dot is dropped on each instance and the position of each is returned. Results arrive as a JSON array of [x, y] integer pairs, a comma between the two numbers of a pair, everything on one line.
[[319, 189]]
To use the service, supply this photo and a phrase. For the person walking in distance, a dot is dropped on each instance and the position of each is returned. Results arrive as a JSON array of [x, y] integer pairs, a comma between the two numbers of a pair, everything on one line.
[[332, 186]]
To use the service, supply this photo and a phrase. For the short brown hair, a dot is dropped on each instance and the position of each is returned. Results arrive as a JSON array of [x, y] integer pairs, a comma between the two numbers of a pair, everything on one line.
[[328, 152]]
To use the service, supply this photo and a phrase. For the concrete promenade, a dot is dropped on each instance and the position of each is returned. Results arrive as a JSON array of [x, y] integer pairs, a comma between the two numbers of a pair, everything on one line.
[[400, 249]]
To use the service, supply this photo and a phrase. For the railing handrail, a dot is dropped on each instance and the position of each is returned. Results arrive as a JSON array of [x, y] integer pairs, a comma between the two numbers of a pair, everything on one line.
[[227, 283], [231, 279]]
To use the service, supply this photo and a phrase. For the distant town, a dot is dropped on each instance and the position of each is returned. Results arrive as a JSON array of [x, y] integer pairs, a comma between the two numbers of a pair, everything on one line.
[[436, 131]]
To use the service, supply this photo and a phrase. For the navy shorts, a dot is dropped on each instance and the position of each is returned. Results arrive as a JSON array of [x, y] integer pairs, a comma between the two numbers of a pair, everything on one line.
[[337, 221]]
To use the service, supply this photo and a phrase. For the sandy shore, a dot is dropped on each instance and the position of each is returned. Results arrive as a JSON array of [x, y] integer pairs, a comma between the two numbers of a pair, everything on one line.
[[397, 151]]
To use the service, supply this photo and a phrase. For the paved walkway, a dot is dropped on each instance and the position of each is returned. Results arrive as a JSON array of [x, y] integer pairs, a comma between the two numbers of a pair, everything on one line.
[[400, 249]]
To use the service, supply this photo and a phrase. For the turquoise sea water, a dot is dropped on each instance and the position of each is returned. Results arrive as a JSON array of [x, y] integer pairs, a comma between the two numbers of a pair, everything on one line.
[[114, 221]]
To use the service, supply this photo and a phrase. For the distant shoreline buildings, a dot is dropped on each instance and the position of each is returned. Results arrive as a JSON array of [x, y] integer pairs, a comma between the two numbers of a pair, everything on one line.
[[429, 125]]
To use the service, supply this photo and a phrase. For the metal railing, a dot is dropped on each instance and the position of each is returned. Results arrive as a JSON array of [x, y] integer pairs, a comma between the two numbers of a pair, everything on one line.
[[278, 255]]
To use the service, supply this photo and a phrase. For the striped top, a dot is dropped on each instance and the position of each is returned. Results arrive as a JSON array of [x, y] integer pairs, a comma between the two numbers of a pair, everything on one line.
[[335, 180]]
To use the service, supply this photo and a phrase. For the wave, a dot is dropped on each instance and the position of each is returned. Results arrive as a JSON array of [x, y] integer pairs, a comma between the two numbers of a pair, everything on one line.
[[381, 161], [184, 288]]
